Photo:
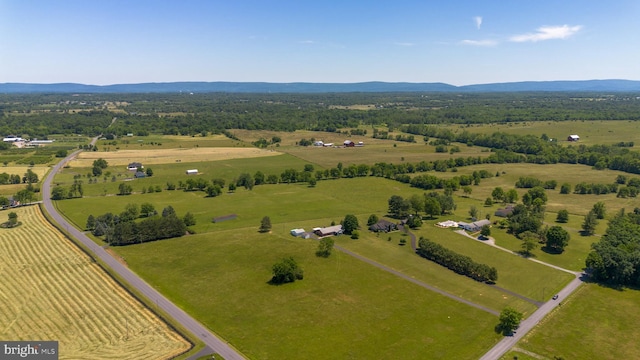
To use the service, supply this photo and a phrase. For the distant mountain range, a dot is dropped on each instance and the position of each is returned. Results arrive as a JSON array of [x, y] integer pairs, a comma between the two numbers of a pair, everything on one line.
[[301, 87]]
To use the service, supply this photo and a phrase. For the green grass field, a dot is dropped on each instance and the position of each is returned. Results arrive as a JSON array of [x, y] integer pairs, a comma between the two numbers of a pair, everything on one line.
[[602, 320], [377, 314], [590, 132], [344, 308]]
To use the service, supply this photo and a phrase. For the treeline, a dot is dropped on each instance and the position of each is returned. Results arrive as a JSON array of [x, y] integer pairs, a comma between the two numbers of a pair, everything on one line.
[[40, 115], [615, 259], [461, 264], [539, 150], [122, 229]]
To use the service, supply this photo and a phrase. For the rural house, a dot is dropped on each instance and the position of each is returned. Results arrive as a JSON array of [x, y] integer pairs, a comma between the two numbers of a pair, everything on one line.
[[383, 226], [349, 143], [474, 226], [134, 166], [573, 138], [328, 231], [508, 210], [139, 175]]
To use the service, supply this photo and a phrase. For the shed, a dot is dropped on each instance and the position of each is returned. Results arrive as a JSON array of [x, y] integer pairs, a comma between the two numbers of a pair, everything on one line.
[[573, 138], [297, 232], [349, 143], [192, 172], [139, 174]]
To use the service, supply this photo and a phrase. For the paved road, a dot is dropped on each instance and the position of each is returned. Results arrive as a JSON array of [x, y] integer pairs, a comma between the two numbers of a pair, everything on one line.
[[212, 341], [525, 326]]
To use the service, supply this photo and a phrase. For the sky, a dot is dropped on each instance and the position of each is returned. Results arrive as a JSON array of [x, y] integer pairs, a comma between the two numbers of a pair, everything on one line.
[[458, 42]]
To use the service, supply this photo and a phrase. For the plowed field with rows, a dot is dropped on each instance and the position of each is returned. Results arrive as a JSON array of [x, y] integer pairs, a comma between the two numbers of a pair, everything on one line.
[[50, 290]]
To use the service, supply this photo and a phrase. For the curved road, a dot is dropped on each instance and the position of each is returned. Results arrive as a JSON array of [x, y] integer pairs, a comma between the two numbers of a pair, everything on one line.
[[189, 323]]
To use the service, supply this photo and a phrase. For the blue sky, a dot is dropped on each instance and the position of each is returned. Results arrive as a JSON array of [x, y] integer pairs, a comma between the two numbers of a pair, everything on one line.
[[456, 42]]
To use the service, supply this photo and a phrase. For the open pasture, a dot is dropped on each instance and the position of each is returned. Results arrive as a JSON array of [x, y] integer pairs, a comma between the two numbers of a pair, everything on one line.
[[167, 156], [590, 132], [527, 278], [155, 141], [344, 308], [175, 172], [403, 259], [569, 173], [601, 319], [373, 151], [51, 290]]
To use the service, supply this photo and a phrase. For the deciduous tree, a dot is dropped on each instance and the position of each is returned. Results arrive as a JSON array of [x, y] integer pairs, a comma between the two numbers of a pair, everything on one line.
[[285, 271], [265, 224], [509, 321]]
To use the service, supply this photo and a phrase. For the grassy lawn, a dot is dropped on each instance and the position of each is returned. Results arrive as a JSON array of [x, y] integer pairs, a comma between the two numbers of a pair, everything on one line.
[[515, 273], [344, 308], [602, 320], [402, 258]]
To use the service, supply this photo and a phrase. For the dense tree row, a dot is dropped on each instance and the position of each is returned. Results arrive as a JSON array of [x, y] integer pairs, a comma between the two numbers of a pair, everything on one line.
[[122, 229], [432, 204], [461, 264], [615, 259]]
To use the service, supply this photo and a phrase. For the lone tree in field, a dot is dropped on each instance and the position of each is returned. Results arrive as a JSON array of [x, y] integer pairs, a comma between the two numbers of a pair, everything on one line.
[[509, 320], [563, 216], [557, 239], [286, 271], [590, 223], [265, 225], [324, 247], [13, 219]]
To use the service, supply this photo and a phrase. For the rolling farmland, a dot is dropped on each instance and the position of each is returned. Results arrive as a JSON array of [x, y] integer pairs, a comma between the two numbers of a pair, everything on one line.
[[53, 291]]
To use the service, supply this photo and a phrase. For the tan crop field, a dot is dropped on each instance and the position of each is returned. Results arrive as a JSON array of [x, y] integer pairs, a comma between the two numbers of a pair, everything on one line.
[[50, 290], [168, 156]]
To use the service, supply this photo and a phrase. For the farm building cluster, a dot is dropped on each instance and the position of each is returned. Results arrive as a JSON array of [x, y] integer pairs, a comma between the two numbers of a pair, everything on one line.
[[25, 143], [346, 143], [318, 232]]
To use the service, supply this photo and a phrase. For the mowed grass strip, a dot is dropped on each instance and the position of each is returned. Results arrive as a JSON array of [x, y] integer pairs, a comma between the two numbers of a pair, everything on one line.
[[604, 321], [164, 156], [344, 308], [387, 249], [51, 290], [522, 276]]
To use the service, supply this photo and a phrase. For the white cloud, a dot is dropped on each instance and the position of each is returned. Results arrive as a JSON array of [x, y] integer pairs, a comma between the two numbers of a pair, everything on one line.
[[306, 42], [479, 42], [404, 44], [548, 33], [478, 20]]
